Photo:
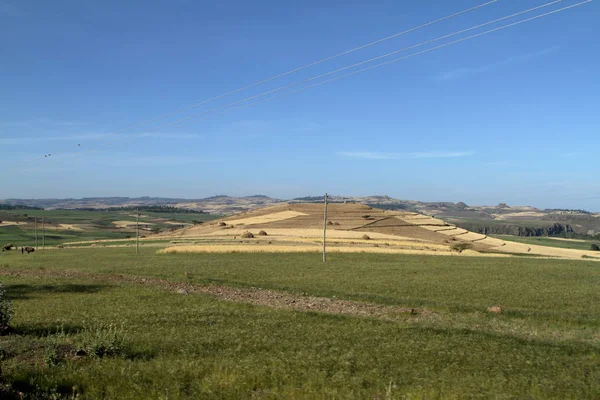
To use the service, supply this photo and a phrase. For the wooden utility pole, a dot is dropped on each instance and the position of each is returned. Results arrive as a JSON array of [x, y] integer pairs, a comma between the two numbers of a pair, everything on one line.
[[137, 230], [35, 229], [43, 235], [325, 230]]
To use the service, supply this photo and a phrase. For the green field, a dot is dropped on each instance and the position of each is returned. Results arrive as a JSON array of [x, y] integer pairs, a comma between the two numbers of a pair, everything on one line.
[[171, 345], [93, 225], [549, 242]]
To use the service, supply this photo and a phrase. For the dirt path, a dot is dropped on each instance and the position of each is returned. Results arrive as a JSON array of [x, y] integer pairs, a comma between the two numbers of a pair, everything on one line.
[[255, 296]]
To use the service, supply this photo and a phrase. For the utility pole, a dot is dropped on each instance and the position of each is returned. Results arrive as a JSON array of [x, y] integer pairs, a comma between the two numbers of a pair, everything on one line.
[[137, 230], [43, 235], [35, 228], [325, 230]]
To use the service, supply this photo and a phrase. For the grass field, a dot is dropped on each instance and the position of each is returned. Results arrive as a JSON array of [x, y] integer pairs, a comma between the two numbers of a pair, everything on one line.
[[550, 242], [198, 345], [86, 225]]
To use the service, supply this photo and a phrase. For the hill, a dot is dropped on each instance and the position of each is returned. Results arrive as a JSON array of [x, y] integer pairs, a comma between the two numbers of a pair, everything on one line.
[[352, 227]]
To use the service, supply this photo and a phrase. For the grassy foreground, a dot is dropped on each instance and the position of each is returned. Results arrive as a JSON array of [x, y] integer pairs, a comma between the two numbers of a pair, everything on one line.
[[163, 344]]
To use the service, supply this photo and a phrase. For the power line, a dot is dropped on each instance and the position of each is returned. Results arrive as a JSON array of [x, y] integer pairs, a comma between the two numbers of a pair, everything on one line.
[[214, 110], [318, 62], [376, 65], [357, 64], [395, 35]]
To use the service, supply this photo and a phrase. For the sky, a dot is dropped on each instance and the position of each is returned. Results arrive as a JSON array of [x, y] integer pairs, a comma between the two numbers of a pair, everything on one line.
[[89, 93]]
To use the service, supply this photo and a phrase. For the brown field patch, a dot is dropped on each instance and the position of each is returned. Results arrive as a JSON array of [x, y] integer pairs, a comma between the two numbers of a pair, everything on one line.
[[12, 223], [130, 224]]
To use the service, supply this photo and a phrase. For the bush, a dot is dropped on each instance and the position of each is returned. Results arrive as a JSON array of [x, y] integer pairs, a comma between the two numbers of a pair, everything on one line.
[[595, 247], [6, 310], [366, 237], [460, 247]]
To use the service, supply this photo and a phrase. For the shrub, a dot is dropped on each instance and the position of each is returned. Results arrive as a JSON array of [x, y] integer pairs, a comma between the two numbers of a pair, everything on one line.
[[460, 247], [6, 310], [222, 223], [595, 247], [366, 237]]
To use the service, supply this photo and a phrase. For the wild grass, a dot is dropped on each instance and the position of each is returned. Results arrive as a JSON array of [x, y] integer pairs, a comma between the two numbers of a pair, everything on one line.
[[545, 345]]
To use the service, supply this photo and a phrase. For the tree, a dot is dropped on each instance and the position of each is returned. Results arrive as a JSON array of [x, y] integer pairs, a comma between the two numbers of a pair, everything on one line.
[[594, 247]]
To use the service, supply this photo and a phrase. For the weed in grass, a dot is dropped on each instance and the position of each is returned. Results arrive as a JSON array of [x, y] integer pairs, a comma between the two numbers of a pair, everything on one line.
[[6, 310], [51, 356], [105, 340]]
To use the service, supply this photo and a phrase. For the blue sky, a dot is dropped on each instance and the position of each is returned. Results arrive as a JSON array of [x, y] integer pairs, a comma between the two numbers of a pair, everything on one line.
[[507, 117]]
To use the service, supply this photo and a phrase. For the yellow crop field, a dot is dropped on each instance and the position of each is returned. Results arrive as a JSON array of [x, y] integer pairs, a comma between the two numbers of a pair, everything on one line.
[[265, 219]]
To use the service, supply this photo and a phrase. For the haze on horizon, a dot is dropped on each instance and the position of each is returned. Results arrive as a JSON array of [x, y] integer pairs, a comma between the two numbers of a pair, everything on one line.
[[508, 117]]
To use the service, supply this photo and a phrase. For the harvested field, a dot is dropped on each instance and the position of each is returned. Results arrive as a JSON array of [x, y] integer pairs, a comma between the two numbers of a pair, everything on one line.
[[565, 239], [11, 223], [472, 236], [417, 219], [293, 224], [514, 247], [519, 215], [454, 232], [265, 219], [72, 227], [266, 248], [310, 233], [130, 224]]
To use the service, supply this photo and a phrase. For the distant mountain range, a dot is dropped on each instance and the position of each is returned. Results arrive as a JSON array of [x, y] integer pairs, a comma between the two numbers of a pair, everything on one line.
[[489, 219], [223, 204]]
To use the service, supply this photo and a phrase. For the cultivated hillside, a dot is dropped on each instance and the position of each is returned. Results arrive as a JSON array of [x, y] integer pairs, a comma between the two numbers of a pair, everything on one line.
[[351, 227]]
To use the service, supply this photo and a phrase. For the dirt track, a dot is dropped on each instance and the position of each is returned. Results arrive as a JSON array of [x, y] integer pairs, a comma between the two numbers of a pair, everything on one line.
[[255, 296]]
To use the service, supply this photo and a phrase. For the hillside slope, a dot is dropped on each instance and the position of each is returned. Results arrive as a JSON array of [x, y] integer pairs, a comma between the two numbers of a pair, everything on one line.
[[351, 227]]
